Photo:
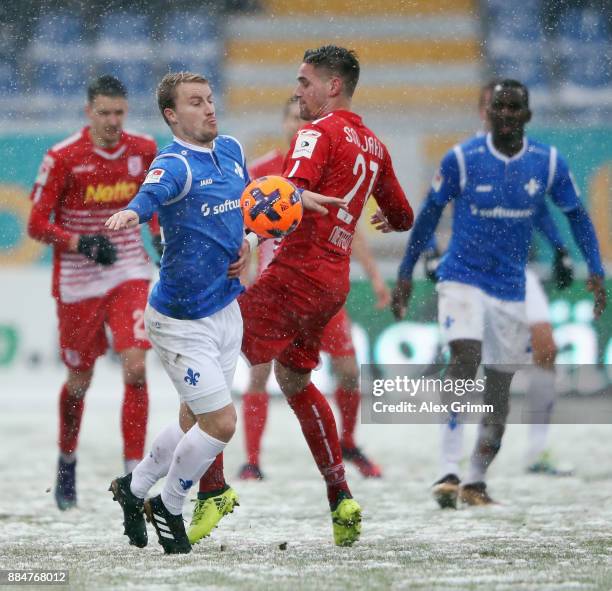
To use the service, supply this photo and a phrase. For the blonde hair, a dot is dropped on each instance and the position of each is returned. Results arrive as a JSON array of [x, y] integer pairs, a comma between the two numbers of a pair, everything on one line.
[[166, 89]]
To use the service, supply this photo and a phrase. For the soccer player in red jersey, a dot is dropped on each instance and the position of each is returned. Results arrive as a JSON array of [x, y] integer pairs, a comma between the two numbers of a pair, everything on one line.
[[99, 281], [336, 339], [286, 310]]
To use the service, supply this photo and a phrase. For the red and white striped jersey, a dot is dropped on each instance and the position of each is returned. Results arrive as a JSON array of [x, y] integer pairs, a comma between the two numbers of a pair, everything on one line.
[[79, 185]]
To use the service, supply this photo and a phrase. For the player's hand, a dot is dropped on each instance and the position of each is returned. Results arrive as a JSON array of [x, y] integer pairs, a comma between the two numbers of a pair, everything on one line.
[[98, 248], [238, 266], [316, 202], [563, 270], [399, 298], [382, 293], [596, 285], [125, 218], [156, 242], [380, 223]]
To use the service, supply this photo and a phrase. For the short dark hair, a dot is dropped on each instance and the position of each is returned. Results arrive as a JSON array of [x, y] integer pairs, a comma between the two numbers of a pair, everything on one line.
[[514, 85], [106, 86], [339, 61]]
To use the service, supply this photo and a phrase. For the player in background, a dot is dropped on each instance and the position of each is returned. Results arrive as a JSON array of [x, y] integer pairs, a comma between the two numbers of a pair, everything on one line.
[[541, 393], [336, 339], [192, 318], [286, 310], [497, 182], [99, 281]]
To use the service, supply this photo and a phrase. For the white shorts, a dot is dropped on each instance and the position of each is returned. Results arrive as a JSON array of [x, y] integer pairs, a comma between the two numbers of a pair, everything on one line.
[[535, 300], [467, 312], [200, 356]]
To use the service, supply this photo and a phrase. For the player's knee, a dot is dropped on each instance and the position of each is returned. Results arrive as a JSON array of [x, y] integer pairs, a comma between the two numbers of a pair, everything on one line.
[[220, 424], [78, 383], [491, 437], [347, 373], [466, 356]]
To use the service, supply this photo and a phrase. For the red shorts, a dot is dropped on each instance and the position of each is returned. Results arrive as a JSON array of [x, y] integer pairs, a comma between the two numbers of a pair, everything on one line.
[[284, 318], [337, 339], [82, 324]]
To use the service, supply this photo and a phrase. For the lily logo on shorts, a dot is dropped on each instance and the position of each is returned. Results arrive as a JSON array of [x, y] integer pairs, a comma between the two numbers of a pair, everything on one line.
[[192, 377], [185, 484]]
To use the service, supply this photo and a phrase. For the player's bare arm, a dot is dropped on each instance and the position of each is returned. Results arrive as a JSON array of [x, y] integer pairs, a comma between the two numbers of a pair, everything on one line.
[[122, 219], [400, 297]]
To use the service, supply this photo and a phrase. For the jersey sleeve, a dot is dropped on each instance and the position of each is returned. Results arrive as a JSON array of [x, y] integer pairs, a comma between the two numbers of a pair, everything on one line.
[[308, 154], [168, 180], [563, 189], [46, 193], [446, 183], [391, 198]]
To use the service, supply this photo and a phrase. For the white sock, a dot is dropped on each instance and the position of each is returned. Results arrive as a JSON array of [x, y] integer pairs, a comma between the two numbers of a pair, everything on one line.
[[130, 465], [539, 406], [192, 457], [452, 446], [156, 463]]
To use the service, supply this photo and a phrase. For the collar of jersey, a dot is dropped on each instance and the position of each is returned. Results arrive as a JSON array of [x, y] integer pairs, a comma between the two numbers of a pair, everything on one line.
[[501, 156], [194, 147]]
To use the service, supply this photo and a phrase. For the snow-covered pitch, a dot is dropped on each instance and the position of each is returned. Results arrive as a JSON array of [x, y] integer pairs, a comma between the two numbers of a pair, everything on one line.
[[547, 533]]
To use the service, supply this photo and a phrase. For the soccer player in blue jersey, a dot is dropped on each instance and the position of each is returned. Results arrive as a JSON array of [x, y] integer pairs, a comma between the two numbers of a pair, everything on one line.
[[497, 183], [540, 394], [192, 319]]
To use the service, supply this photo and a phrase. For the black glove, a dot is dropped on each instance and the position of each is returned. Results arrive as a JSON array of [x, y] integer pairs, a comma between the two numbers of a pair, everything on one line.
[[431, 260], [563, 269], [156, 241], [98, 248]]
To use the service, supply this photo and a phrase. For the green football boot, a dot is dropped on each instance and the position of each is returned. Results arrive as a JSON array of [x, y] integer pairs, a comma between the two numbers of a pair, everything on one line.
[[208, 512], [346, 522]]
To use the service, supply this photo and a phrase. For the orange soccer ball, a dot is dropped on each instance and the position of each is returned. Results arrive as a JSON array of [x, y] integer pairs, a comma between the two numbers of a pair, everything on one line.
[[271, 206]]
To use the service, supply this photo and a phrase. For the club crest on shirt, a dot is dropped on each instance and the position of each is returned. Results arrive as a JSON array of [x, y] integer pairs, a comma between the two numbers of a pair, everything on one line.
[[135, 165]]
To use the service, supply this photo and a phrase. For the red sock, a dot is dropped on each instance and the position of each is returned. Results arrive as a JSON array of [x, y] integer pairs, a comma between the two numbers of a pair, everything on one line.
[[214, 479], [319, 428], [70, 411], [254, 413], [134, 420], [348, 402]]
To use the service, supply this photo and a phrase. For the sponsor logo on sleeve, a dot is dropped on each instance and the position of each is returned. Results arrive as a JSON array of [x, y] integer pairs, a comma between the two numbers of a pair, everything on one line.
[[305, 143], [154, 175]]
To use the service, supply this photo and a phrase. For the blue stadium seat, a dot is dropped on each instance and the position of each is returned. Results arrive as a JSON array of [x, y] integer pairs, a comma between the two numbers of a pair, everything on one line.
[[9, 78], [194, 44], [60, 78], [59, 28], [59, 55], [124, 49], [196, 28], [137, 75], [125, 27]]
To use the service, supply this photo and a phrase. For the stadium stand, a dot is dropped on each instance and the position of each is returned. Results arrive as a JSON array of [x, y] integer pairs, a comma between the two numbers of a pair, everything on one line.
[[423, 56]]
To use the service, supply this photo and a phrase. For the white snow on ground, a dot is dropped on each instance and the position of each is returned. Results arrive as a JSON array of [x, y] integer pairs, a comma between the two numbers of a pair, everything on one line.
[[551, 534]]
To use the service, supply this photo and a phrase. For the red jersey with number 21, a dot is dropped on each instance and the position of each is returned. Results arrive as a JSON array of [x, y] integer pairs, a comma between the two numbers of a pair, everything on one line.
[[338, 156]]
